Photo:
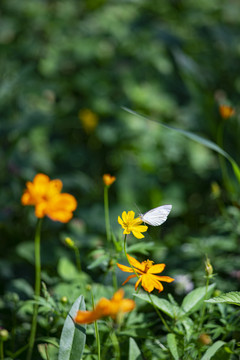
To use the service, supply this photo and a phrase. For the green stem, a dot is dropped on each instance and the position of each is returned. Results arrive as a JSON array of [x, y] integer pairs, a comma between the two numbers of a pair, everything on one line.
[[159, 313], [125, 252], [96, 332], [204, 305], [78, 261], [116, 346], [114, 279], [37, 288], [1, 350], [106, 209]]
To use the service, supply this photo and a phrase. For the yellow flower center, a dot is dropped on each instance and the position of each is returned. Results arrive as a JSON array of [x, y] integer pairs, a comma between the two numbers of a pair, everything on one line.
[[148, 264]]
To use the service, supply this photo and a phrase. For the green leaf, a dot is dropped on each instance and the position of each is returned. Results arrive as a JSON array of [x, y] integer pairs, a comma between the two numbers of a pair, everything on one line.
[[73, 336], [134, 352], [209, 144], [164, 305], [194, 299], [172, 344], [141, 247], [212, 350], [66, 269], [232, 297]]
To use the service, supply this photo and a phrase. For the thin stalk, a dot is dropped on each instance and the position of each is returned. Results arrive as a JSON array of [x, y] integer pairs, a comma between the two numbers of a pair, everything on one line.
[[46, 352], [37, 287], [204, 305], [159, 313], [77, 256], [106, 209], [1, 350], [125, 252], [114, 278], [96, 332]]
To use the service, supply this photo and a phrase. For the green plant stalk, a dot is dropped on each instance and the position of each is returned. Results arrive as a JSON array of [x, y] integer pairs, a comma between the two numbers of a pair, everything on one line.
[[77, 256], [46, 352], [114, 278], [159, 313], [1, 350], [37, 287], [106, 209], [204, 305], [96, 332], [154, 306]]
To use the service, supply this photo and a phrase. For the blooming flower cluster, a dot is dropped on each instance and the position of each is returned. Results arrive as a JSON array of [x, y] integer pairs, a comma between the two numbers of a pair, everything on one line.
[[46, 196], [113, 308]]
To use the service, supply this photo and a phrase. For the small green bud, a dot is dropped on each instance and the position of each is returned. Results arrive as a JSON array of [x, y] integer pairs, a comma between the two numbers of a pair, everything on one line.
[[64, 300], [208, 267], [69, 242], [88, 287], [4, 335]]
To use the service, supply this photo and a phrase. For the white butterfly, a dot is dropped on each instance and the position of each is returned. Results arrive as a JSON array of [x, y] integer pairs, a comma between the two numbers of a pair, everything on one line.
[[156, 216]]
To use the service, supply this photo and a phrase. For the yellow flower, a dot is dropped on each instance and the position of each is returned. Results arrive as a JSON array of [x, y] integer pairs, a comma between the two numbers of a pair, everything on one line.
[[88, 119], [45, 195], [129, 224], [226, 111], [108, 179], [114, 308], [146, 271]]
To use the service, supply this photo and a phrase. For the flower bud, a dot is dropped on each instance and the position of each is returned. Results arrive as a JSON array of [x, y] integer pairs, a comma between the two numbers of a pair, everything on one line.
[[64, 299], [205, 339], [108, 179], [208, 267], [4, 335], [69, 242]]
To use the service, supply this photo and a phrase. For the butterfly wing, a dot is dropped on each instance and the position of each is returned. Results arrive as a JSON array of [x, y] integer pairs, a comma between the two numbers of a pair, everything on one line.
[[156, 216]]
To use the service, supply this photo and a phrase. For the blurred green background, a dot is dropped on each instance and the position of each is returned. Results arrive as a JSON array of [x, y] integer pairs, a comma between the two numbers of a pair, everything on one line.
[[67, 69]]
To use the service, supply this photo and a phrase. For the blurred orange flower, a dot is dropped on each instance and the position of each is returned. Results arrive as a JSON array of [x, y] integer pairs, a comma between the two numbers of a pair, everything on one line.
[[226, 111], [114, 308], [129, 224], [108, 179], [45, 195], [146, 271]]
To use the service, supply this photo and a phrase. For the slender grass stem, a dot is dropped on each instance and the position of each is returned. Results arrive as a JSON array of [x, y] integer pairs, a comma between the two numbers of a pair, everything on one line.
[[114, 277], [106, 209], [204, 305], [96, 331], [37, 287], [77, 256]]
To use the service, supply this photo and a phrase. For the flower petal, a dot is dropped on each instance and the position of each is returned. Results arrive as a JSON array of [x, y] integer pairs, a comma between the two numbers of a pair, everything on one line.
[[136, 263], [147, 283], [138, 282], [124, 268], [156, 269], [128, 278], [164, 278]]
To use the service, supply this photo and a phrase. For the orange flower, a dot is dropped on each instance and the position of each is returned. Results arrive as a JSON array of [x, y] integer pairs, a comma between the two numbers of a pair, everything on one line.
[[108, 179], [226, 111], [146, 271], [114, 308], [45, 195], [129, 224]]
